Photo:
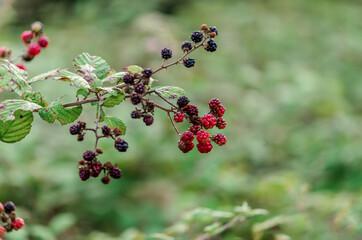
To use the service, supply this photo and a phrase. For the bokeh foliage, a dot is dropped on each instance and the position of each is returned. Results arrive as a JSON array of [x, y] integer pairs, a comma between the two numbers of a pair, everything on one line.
[[288, 73]]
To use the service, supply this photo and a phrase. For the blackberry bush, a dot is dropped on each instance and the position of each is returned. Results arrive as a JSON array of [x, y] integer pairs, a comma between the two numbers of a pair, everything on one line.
[[102, 87]]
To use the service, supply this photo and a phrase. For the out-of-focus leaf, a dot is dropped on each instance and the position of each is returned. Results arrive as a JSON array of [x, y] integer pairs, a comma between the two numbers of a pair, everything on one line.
[[16, 130], [41, 233], [13, 78], [62, 222], [82, 92], [161, 236]]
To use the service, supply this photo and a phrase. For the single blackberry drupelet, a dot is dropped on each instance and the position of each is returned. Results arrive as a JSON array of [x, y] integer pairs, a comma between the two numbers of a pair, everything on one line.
[[197, 36], [211, 46], [147, 72], [135, 114], [214, 29], [148, 120], [115, 173], [84, 174], [74, 129], [121, 145], [189, 62], [166, 53], [182, 101], [186, 46], [106, 130], [140, 88], [9, 207], [136, 98], [128, 79], [89, 155]]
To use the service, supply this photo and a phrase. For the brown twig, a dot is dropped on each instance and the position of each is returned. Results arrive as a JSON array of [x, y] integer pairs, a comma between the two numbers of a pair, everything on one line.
[[100, 102], [173, 124]]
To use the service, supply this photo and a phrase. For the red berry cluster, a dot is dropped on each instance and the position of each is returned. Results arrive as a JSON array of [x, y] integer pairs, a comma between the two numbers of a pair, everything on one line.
[[89, 166], [34, 39], [208, 121], [8, 219]]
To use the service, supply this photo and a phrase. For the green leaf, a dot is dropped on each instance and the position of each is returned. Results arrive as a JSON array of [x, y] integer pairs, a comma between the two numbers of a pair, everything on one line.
[[13, 78], [16, 130], [47, 75], [82, 92], [134, 69], [170, 92], [114, 77], [34, 97], [9, 107], [62, 222], [112, 101], [55, 111], [88, 73], [74, 79], [115, 122], [100, 65]]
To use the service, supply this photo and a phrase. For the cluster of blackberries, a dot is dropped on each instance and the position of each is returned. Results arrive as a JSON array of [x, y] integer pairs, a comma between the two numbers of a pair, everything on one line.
[[34, 39], [208, 121], [9, 219], [78, 129], [89, 166]]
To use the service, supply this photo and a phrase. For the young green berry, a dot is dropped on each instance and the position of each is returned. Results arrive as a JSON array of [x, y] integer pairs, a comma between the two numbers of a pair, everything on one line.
[[189, 62], [37, 27], [186, 46], [166, 53], [197, 36], [121, 145]]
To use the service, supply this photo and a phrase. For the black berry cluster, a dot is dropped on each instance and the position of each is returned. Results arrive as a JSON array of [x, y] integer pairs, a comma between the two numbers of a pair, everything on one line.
[[8, 219]]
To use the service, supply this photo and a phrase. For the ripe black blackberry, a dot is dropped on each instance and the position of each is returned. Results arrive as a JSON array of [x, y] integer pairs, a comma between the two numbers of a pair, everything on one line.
[[27, 57], [189, 62], [214, 29], [186, 46], [197, 36], [148, 120], [136, 98], [106, 130], [140, 88], [211, 46], [166, 53], [147, 72], [80, 137], [182, 101], [135, 114], [96, 169], [9, 207], [128, 79], [84, 174], [74, 129], [192, 110], [89, 155], [115, 173], [121, 145]]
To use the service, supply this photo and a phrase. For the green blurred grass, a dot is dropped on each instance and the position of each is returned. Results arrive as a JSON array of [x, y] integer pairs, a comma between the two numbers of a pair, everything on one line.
[[289, 75]]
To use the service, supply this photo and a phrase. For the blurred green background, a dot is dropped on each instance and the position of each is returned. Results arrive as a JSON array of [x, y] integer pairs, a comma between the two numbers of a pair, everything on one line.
[[288, 73]]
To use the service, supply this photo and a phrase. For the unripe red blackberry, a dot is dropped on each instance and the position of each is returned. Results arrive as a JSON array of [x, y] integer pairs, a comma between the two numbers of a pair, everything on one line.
[[219, 139], [148, 120], [43, 41], [115, 173], [185, 147], [187, 137], [214, 103], [182, 101], [147, 72], [189, 62], [106, 131], [140, 88], [121, 145], [191, 110], [186, 46], [221, 123], [34, 49], [204, 148], [105, 180], [128, 79], [26, 36], [27, 57], [21, 66], [18, 224], [208, 121], [203, 137], [197, 36], [136, 98], [37, 27], [219, 112], [211, 46], [135, 114], [195, 129], [2, 231], [1, 207], [84, 174], [166, 53], [96, 169], [74, 129], [179, 117], [9, 207], [89, 155], [214, 29]]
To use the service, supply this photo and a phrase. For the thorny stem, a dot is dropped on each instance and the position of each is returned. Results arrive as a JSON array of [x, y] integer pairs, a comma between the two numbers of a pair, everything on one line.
[[173, 124]]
